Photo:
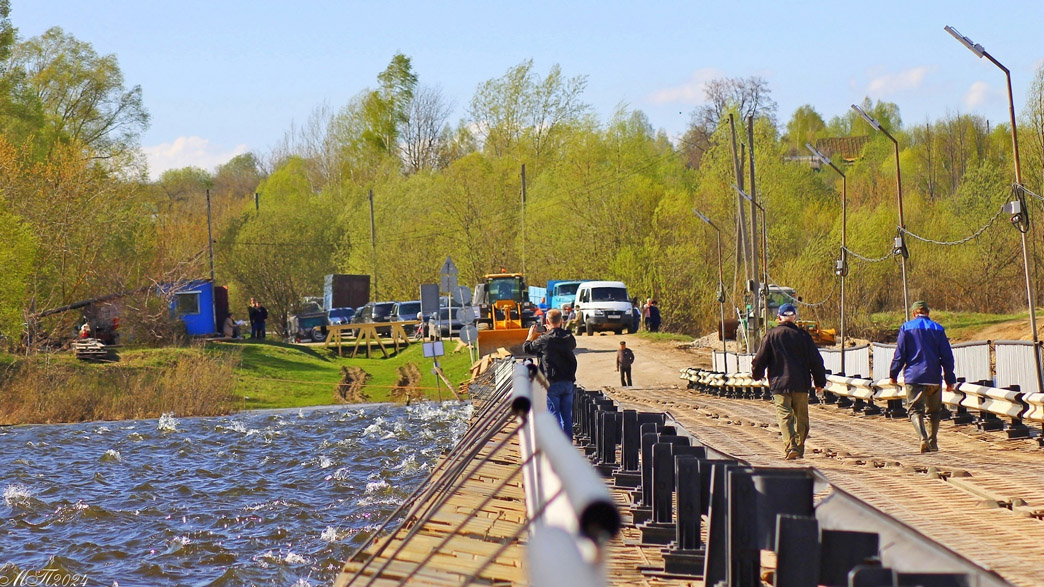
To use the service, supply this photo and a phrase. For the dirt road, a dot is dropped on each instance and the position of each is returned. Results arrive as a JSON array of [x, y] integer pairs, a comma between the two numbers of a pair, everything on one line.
[[656, 364]]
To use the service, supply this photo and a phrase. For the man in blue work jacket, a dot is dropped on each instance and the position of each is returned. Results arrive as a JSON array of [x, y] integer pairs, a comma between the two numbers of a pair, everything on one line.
[[925, 353]]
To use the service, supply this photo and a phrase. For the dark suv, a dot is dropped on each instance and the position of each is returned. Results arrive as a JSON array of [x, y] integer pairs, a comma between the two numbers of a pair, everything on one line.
[[375, 312], [406, 312]]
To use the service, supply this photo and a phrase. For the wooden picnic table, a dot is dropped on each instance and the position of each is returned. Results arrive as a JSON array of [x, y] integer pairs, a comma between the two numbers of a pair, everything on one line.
[[366, 333]]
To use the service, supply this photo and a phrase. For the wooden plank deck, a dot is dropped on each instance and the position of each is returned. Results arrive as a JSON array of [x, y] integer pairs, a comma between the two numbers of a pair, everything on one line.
[[483, 533]]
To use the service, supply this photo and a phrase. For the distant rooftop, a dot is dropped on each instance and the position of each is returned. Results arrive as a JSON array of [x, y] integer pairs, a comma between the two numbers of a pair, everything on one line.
[[849, 148]]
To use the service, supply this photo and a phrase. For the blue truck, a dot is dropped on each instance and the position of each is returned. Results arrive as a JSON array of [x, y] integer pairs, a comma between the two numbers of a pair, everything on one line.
[[559, 293]]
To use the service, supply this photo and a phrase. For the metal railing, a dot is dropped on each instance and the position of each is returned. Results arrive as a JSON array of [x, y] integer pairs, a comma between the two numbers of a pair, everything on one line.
[[570, 513]]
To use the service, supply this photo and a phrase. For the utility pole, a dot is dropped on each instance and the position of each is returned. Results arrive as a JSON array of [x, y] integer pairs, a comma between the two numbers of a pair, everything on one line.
[[257, 202], [373, 248], [210, 239], [742, 246], [754, 236], [524, 219]]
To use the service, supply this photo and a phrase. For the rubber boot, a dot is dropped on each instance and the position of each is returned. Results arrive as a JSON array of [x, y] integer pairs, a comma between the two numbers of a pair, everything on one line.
[[933, 434], [922, 433]]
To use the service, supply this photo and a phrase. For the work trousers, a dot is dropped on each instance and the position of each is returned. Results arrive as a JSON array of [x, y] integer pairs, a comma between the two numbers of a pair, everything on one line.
[[924, 399], [560, 404], [625, 376], [792, 415]]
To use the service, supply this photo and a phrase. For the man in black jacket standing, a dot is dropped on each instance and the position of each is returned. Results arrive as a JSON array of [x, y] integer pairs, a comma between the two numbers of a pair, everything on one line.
[[793, 363], [557, 363]]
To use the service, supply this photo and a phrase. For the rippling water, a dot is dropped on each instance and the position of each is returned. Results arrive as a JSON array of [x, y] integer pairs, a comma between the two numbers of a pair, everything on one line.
[[264, 498]]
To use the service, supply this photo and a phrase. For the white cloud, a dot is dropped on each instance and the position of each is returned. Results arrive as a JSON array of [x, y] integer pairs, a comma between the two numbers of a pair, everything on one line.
[[188, 152], [691, 92], [978, 94], [891, 83]]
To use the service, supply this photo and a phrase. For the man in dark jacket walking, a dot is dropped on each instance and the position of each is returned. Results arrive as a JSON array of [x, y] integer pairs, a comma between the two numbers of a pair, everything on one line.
[[794, 366], [925, 352], [558, 364], [624, 360]]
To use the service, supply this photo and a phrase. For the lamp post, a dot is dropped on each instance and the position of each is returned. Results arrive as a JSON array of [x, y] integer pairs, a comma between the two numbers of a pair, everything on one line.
[[900, 240], [721, 292], [764, 250], [1020, 213], [841, 269]]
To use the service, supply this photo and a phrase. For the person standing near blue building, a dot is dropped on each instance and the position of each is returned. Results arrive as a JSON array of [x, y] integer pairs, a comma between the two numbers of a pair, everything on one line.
[[558, 364], [924, 356]]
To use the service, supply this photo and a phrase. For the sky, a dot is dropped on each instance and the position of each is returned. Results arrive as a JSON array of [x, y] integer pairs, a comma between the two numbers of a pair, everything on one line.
[[224, 77]]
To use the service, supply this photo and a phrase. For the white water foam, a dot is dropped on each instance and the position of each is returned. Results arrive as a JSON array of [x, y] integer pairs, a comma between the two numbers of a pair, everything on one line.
[[329, 535], [167, 423], [111, 456], [15, 494]]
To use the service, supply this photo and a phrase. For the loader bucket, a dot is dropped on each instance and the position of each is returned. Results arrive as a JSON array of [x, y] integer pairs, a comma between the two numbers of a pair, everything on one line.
[[510, 339]]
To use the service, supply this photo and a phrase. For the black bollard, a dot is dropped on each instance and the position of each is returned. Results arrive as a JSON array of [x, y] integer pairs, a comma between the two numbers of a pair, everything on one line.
[[687, 556], [716, 564], [780, 491], [661, 528], [607, 441], [742, 544], [797, 551], [872, 576], [631, 444], [841, 551]]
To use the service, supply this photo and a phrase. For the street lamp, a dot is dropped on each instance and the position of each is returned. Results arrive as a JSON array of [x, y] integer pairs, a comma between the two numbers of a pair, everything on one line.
[[1020, 215], [721, 293], [764, 251], [900, 240], [842, 262]]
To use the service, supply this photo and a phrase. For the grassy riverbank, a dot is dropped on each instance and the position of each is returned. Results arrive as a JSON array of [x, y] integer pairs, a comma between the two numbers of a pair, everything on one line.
[[218, 378]]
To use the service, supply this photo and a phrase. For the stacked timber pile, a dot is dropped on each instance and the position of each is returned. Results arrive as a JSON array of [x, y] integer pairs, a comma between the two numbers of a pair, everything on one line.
[[90, 349]]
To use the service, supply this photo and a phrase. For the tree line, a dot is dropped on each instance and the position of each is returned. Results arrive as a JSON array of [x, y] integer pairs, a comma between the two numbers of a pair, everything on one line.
[[608, 198]]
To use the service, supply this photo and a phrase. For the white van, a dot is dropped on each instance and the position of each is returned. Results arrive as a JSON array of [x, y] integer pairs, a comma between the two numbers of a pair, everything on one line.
[[604, 305]]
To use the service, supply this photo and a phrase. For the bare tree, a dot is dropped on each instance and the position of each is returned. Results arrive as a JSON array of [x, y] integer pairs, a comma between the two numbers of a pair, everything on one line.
[[314, 142], [750, 96], [1034, 121], [422, 132]]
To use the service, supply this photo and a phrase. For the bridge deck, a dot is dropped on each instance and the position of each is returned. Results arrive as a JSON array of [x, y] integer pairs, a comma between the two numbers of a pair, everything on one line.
[[950, 496]]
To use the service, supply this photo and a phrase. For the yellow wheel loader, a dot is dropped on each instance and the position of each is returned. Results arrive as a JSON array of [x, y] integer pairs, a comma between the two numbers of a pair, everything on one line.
[[505, 313]]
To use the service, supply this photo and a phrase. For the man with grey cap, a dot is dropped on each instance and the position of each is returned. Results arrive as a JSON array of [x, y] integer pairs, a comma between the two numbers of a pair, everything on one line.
[[925, 353], [794, 366]]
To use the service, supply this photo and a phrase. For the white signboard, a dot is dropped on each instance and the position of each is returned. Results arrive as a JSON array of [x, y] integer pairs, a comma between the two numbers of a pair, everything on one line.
[[433, 349]]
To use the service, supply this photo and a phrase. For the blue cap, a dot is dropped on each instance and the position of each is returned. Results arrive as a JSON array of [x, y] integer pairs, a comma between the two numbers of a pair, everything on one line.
[[787, 310]]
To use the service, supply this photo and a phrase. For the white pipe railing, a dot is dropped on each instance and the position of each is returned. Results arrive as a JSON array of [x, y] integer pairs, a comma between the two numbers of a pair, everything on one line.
[[571, 511]]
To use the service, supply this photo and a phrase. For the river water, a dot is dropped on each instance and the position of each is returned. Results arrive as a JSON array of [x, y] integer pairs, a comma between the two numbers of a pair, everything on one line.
[[259, 498]]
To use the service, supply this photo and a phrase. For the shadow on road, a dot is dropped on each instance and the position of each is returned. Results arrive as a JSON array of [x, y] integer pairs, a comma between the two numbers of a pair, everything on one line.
[[580, 351]]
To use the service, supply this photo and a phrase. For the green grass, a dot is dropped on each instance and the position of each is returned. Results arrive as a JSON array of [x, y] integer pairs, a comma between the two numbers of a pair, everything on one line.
[[957, 324], [279, 375], [664, 336]]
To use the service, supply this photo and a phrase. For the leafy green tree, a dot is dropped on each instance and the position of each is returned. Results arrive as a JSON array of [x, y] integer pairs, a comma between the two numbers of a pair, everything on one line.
[[80, 94], [17, 257], [282, 252], [1032, 126], [805, 126], [521, 113]]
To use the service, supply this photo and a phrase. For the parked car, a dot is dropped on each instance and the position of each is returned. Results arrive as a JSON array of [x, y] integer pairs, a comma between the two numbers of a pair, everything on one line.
[[447, 318], [406, 312], [309, 326], [340, 315], [375, 312], [604, 305]]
